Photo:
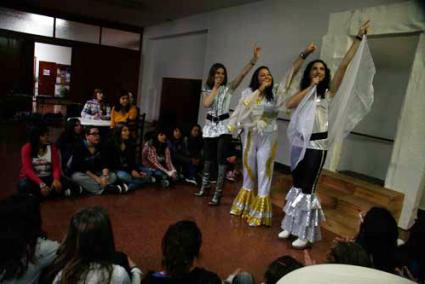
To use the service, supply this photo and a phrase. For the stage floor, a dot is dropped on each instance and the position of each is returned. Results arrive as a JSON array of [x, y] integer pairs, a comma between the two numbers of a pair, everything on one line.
[[140, 219]]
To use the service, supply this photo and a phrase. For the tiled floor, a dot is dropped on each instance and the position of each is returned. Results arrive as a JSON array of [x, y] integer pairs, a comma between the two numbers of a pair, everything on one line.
[[140, 219]]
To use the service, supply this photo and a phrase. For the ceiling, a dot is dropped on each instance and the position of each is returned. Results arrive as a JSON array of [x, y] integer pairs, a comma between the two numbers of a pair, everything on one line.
[[139, 13]]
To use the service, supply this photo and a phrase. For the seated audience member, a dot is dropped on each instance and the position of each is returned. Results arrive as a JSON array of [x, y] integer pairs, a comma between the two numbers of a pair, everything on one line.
[[96, 108], [410, 256], [69, 140], [123, 111], [156, 159], [343, 252], [232, 160], [177, 151], [88, 255], [121, 158], [348, 253], [378, 235], [89, 168], [238, 277], [41, 167], [193, 145], [180, 247], [280, 267], [24, 250]]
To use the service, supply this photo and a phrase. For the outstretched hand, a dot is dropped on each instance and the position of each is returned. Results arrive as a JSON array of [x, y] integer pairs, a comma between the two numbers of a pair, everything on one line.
[[363, 29], [310, 48], [257, 51]]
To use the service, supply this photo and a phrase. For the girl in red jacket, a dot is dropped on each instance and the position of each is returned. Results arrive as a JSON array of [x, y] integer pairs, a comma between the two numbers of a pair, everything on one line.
[[41, 167]]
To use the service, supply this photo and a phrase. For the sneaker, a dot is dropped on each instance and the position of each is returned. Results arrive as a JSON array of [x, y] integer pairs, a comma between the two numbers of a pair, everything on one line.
[[112, 188], [299, 244], [165, 183], [152, 179], [230, 176], [284, 234], [125, 188], [67, 192], [191, 180]]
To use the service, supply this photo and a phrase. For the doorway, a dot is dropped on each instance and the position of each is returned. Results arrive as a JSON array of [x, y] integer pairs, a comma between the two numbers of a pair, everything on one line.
[[179, 102]]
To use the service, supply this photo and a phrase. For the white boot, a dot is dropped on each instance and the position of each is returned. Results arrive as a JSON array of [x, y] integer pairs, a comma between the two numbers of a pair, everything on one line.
[[299, 243], [284, 234]]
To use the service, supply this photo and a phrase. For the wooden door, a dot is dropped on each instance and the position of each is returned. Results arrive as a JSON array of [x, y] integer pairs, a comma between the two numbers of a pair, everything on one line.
[[46, 78], [179, 102]]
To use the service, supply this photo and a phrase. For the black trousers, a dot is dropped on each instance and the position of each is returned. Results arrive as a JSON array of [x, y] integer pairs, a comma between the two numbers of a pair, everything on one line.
[[217, 148], [307, 172]]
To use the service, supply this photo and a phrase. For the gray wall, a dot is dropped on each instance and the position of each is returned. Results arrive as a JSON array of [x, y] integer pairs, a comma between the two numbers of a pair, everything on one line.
[[281, 28]]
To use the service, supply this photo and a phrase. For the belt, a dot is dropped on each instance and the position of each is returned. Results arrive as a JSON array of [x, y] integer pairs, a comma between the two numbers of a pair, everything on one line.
[[219, 118], [319, 136]]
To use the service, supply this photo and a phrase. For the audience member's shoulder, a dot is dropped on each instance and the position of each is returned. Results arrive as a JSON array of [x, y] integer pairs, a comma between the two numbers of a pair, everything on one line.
[[201, 275]]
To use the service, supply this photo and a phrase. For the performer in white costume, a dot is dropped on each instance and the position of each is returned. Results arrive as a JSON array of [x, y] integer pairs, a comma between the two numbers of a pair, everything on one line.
[[309, 136], [256, 113], [216, 97]]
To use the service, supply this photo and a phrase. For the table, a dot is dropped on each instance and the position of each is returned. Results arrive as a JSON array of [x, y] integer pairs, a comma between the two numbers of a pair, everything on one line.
[[94, 122]]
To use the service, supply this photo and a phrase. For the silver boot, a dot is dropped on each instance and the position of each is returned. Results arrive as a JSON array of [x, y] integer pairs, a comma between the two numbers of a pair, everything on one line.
[[215, 201], [205, 180]]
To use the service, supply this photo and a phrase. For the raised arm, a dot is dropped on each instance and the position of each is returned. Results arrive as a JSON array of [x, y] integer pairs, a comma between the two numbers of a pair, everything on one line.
[[340, 72], [294, 100], [236, 82], [299, 61]]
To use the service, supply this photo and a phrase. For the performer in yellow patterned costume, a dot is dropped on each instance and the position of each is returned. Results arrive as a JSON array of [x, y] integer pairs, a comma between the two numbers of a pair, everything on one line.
[[256, 113]]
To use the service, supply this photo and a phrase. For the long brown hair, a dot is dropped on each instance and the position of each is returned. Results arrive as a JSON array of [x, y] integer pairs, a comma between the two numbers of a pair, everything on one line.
[[89, 240]]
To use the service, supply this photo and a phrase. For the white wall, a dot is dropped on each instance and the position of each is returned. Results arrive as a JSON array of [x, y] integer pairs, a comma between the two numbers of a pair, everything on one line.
[[180, 56], [281, 28], [393, 58]]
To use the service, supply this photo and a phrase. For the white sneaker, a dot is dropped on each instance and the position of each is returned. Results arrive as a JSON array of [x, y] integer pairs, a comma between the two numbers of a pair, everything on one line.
[[284, 234], [299, 244]]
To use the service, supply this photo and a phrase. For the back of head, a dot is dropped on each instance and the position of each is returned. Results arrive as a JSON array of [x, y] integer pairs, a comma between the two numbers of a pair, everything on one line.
[[280, 267], [20, 226], [378, 236], [243, 278], [180, 246], [89, 240], [349, 253]]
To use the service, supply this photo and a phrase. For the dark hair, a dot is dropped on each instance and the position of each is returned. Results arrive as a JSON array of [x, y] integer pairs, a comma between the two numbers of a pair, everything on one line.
[[172, 138], [35, 133], [88, 128], [20, 227], [198, 126], [69, 132], [412, 251], [348, 253], [280, 267], [211, 74], [118, 106], [89, 240], [160, 147], [378, 236], [323, 85], [180, 246], [255, 83], [95, 91], [243, 278], [116, 133]]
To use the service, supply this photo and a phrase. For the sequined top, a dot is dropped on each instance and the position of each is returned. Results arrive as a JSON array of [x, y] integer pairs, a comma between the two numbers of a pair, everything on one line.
[[264, 110], [321, 122], [219, 106]]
